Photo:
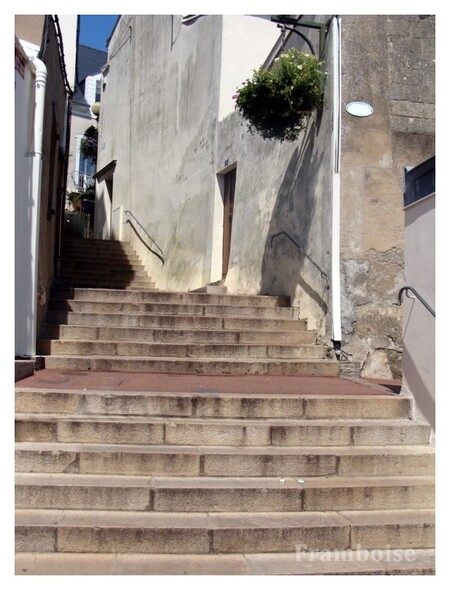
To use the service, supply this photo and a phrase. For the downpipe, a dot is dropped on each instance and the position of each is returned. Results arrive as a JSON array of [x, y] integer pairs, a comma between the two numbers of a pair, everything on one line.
[[336, 191], [40, 71]]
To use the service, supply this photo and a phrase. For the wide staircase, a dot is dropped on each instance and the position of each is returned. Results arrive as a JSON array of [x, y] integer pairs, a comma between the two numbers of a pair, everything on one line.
[[212, 482]]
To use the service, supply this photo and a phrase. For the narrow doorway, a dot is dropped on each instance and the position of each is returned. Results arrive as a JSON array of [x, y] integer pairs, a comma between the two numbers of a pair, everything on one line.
[[229, 184]]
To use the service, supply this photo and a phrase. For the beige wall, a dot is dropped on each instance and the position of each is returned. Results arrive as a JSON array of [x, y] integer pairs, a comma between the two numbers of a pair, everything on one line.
[[418, 333], [388, 61]]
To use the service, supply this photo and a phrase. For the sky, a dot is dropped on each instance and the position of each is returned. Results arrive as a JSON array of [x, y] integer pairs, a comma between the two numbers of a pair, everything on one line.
[[95, 29]]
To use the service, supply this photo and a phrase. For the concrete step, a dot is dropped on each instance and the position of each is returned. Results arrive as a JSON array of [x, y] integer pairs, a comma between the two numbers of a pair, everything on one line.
[[100, 307], [199, 366], [179, 351], [173, 336], [103, 272], [202, 533], [190, 298], [179, 322], [105, 282], [216, 431], [348, 562], [188, 461], [212, 405], [67, 491]]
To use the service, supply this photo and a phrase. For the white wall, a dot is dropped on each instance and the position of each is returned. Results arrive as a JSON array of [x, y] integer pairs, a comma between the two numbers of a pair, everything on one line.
[[246, 42], [418, 360], [26, 214], [168, 118]]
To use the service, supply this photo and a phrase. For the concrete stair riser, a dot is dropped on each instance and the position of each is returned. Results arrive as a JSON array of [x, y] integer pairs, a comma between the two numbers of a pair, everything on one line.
[[174, 322], [200, 533], [84, 492], [174, 309], [223, 461], [206, 366], [229, 351], [216, 432], [170, 336], [197, 405], [105, 295]]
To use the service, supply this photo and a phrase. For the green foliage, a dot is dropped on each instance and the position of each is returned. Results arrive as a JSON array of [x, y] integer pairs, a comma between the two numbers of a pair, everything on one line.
[[89, 143], [277, 102]]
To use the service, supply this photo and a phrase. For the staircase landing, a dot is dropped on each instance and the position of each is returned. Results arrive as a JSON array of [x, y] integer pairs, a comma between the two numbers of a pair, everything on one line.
[[170, 382]]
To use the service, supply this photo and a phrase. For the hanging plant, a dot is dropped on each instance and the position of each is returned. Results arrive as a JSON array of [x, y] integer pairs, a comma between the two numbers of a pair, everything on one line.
[[277, 102], [89, 142]]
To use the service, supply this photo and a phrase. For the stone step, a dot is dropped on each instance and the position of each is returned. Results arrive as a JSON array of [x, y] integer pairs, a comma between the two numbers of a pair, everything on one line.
[[72, 243], [202, 533], [173, 336], [110, 283], [172, 460], [199, 366], [179, 322], [143, 430], [102, 272], [212, 405], [108, 308], [67, 491], [179, 351], [169, 297], [349, 562], [92, 261]]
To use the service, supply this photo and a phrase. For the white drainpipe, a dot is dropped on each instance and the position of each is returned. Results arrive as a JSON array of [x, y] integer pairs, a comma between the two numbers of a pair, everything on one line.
[[36, 154], [336, 191]]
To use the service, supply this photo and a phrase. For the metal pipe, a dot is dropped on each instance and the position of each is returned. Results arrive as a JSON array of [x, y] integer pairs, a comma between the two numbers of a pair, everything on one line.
[[40, 87], [336, 188], [416, 295]]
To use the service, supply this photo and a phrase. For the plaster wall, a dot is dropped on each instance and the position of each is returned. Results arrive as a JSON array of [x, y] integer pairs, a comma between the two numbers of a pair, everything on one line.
[[25, 216], [418, 332], [283, 186], [159, 117], [246, 41], [388, 61]]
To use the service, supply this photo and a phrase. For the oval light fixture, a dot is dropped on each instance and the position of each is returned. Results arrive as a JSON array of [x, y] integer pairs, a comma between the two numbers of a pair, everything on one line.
[[359, 109]]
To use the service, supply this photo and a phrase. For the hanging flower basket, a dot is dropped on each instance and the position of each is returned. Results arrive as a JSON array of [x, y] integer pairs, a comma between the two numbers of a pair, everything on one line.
[[277, 102]]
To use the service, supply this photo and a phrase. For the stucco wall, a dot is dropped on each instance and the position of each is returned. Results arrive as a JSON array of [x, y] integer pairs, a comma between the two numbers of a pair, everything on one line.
[[418, 361], [283, 186], [159, 121], [388, 61], [54, 171]]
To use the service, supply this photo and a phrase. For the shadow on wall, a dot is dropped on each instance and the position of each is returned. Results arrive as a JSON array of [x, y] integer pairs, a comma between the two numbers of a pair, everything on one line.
[[423, 398], [284, 268]]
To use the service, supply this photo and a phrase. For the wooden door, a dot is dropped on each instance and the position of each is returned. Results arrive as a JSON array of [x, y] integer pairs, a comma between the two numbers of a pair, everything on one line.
[[228, 205]]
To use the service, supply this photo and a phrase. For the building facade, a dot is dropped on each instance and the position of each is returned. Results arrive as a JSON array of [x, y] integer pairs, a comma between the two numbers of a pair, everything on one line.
[[319, 219]]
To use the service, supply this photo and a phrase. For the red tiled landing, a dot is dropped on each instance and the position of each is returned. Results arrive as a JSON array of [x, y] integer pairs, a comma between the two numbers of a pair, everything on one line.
[[164, 382]]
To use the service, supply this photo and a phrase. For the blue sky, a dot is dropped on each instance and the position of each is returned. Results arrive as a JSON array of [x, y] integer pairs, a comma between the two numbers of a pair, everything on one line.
[[95, 29]]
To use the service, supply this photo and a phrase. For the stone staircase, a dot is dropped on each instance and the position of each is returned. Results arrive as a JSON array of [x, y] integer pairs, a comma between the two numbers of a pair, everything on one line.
[[101, 263], [112, 482], [208, 482], [153, 331]]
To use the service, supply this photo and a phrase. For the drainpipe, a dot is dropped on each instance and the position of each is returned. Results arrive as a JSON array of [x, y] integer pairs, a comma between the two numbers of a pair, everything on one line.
[[40, 85], [336, 190]]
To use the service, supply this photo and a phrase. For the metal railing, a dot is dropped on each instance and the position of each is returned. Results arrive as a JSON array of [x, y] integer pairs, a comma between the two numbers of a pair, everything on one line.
[[416, 296], [82, 181], [132, 220], [323, 274]]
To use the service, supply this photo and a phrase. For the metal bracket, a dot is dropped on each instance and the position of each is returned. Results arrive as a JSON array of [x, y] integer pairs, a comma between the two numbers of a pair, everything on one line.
[[283, 22]]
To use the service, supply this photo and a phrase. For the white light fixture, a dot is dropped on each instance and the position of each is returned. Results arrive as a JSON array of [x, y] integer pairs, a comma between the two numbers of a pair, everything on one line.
[[359, 109]]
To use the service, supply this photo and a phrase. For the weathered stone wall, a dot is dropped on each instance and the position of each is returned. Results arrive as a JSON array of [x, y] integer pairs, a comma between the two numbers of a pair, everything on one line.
[[388, 61]]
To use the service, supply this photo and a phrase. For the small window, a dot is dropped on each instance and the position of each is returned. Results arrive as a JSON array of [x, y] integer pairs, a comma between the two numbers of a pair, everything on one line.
[[98, 90]]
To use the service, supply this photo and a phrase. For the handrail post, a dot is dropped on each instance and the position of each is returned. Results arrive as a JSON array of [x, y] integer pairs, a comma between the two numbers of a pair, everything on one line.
[[416, 295]]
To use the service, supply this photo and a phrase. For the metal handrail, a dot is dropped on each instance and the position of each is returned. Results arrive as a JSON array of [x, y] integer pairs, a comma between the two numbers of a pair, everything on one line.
[[323, 274], [421, 299], [161, 252]]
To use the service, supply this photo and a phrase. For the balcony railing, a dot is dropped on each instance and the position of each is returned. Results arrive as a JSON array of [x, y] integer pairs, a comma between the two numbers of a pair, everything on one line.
[[82, 181]]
